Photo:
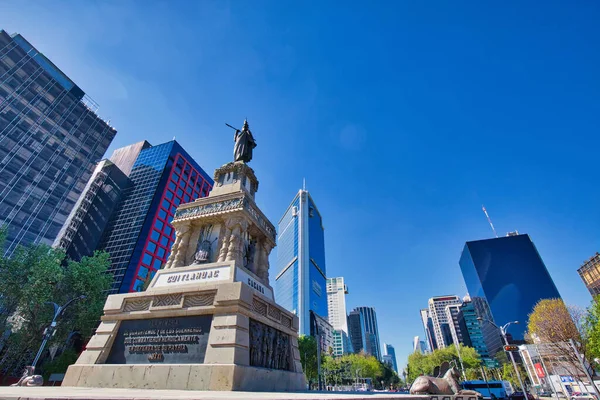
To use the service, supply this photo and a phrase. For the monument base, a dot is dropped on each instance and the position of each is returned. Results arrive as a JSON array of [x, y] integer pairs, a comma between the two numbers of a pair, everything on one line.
[[217, 377], [202, 327]]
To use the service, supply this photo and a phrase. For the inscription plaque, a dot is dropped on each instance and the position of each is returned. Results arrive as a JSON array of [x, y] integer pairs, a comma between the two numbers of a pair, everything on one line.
[[178, 340]]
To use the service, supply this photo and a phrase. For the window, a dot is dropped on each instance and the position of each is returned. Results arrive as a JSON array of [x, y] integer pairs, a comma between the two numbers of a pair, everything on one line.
[[168, 230], [166, 204], [139, 285], [169, 195], [143, 272], [158, 224], [179, 192], [162, 214], [157, 263], [147, 259], [172, 185], [164, 241], [160, 252], [151, 247], [186, 198]]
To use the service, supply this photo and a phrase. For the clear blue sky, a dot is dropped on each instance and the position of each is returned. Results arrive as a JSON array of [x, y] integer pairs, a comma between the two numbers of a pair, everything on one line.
[[403, 116]]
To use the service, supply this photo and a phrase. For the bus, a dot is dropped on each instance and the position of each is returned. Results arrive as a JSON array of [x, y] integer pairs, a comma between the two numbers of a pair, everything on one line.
[[490, 389]]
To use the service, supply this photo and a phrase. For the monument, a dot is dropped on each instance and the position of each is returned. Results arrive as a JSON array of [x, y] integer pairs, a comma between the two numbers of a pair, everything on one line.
[[208, 320]]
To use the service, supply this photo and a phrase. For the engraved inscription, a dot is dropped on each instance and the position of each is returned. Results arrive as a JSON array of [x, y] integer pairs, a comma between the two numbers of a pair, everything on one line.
[[161, 340]]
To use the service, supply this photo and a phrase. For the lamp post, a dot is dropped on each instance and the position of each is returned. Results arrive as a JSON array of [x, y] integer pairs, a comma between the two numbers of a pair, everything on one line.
[[49, 331], [503, 329]]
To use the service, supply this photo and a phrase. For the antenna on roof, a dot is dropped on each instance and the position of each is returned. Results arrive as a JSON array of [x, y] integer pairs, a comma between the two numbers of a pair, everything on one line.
[[303, 183], [489, 220]]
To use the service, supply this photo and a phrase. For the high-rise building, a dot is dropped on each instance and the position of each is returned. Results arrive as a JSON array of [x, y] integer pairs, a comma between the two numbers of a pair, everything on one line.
[[50, 139], [439, 318], [590, 274], [390, 353], [509, 274], [419, 346], [336, 303], [300, 283], [457, 329], [371, 331], [336, 311], [482, 336], [139, 234], [326, 333], [428, 327], [358, 332]]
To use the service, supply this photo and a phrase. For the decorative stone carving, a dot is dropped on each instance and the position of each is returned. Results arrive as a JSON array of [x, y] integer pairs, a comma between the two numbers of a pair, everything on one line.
[[211, 208], [167, 300], [203, 252], [200, 300], [269, 348], [137, 304]]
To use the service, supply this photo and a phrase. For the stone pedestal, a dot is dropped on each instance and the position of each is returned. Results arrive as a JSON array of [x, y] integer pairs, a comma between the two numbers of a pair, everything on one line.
[[208, 321]]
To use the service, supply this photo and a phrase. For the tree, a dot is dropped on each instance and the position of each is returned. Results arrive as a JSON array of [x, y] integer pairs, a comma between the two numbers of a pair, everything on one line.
[[591, 328], [553, 325], [35, 275], [424, 364], [307, 345]]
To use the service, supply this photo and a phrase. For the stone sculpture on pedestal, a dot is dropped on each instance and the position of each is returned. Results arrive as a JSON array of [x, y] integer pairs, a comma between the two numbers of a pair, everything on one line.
[[208, 320]]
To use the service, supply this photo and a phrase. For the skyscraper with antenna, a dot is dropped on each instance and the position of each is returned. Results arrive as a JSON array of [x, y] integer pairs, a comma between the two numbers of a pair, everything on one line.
[[300, 283]]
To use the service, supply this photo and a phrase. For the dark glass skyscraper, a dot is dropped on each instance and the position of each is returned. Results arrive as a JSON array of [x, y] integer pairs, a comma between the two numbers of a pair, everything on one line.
[[300, 284], [139, 235], [50, 141], [371, 331], [509, 274]]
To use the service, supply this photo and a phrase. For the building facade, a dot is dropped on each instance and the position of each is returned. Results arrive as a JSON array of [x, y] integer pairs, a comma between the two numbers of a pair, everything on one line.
[[300, 283], [483, 337], [457, 328], [590, 274], [139, 234], [439, 318], [390, 353], [83, 229], [509, 274], [358, 333], [419, 346], [50, 140], [341, 343], [371, 331], [428, 327], [336, 303]]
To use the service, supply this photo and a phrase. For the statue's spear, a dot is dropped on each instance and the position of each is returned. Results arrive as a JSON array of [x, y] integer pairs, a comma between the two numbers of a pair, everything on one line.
[[235, 129]]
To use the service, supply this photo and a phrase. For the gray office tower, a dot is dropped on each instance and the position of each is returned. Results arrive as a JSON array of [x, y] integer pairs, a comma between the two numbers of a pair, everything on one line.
[[50, 141], [364, 334]]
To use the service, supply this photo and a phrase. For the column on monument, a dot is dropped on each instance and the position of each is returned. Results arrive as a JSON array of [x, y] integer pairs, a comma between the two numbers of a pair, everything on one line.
[[262, 259], [183, 231], [234, 252], [224, 241], [174, 249], [267, 246]]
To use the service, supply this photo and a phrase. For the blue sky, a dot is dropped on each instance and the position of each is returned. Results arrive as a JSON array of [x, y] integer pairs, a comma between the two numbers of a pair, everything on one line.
[[404, 118]]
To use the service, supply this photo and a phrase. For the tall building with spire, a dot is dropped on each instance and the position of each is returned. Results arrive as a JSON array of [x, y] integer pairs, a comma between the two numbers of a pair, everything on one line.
[[300, 283]]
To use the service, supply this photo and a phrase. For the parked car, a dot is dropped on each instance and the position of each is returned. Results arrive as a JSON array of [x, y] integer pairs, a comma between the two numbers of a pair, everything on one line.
[[520, 396]]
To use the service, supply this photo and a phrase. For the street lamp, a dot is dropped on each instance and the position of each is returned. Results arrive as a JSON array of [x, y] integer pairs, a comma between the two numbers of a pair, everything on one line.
[[49, 331], [503, 329]]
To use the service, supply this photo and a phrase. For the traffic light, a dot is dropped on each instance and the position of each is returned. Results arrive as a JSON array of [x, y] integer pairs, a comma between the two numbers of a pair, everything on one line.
[[511, 348]]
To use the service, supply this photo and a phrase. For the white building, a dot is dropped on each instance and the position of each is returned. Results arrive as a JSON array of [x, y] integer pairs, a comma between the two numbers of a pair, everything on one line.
[[439, 317], [419, 346], [336, 303]]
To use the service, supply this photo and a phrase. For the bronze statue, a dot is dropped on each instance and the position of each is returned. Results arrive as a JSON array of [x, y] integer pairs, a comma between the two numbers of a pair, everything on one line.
[[447, 384], [29, 379], [244, 143]]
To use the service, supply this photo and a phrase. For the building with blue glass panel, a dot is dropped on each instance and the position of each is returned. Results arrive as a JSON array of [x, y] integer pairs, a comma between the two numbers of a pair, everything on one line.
[[300, 283], [51, 137], [139, 235], [482, 336], [509, 274], [364, 332]]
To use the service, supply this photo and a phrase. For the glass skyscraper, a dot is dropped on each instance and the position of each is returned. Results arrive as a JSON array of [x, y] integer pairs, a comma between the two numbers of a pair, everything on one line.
[[509, 274], [139, 235], [300, 284], [365, 331], [50, 141], [390, 352]]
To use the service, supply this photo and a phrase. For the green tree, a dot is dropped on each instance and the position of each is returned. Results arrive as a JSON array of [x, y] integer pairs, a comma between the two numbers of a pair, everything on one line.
[[591, 328], [307, 345], [35, 275], [424, 364]]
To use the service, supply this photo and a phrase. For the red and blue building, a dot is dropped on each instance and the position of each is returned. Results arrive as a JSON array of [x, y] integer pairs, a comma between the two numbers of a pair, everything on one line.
[[139, 235]]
